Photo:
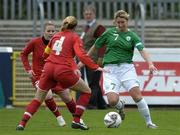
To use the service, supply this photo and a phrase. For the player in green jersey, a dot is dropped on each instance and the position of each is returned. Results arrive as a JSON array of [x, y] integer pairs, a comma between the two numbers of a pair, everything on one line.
[[120, 44]]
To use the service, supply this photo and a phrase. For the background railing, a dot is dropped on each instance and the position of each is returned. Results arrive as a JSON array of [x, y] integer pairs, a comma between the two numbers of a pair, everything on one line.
[[58, 9]]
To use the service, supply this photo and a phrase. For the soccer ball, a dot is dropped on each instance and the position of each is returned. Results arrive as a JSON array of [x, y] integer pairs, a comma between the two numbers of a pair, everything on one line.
[[112, 120]]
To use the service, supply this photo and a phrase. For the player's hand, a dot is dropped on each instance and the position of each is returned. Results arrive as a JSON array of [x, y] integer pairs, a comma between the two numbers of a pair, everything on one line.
[[36, 84], [80, 65], [152, 69], [31, 73]]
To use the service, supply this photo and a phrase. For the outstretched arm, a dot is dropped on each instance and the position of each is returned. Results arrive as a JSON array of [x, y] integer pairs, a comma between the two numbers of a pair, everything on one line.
[[82, 55], [91, 50], [146, 57], [89, 53]]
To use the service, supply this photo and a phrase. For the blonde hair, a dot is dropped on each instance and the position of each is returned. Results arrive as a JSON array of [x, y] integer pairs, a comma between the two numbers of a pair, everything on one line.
[[121, 14], [48, 23], [70, 22]]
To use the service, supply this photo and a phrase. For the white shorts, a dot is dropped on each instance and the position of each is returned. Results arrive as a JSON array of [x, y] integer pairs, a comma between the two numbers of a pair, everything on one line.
[[120, 75]]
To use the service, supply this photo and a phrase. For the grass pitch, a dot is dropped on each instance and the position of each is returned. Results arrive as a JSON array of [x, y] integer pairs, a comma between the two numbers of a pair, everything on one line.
[[44, 123]]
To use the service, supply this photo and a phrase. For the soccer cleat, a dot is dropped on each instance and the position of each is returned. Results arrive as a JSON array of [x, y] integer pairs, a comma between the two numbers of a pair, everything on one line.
[[79, 125], [152, 126], [121, 111], [19, 128], [61, 121], [81, 121]]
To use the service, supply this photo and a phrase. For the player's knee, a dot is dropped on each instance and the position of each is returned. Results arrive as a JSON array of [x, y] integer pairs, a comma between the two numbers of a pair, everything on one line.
[[137, 98], [66, 98], [87, 90], [113, 101], [135, 94], [48, 96]]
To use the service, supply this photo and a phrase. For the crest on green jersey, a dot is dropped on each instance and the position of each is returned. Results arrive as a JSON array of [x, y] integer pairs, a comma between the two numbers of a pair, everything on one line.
[[128, 38]]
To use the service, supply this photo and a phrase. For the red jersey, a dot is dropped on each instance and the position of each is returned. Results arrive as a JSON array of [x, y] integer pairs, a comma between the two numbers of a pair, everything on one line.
[[64, 46], [36, 46]]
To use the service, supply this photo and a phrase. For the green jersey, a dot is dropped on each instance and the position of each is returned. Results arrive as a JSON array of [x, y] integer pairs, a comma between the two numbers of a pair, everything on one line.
[[119, 45]]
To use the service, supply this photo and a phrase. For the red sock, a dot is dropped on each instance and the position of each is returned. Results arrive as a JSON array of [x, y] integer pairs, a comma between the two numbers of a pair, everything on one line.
[[50, 103], [71, 106], [30, 110], [81, 106]]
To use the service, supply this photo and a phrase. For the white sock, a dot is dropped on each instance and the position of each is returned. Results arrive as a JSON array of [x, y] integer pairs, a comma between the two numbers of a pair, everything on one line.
[[119, 105], [144, 110]]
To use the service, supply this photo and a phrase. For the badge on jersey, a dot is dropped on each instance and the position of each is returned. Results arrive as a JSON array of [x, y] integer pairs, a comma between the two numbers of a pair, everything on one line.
[[128, 38]]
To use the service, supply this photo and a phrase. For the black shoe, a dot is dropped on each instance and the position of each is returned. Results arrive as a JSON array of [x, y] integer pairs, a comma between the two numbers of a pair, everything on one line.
[[91, 107], [78, 125], [102, 107], [20, 128]]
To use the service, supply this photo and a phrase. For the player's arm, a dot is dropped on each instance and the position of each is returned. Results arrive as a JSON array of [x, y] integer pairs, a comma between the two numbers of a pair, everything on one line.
[[24, 55], [99, 43], [82, 55], [146, 57], [101, 52], [46, 52], [91, 50]]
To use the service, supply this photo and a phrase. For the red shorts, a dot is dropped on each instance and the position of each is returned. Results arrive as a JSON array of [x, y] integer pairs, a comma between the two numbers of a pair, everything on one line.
[[54, 75]]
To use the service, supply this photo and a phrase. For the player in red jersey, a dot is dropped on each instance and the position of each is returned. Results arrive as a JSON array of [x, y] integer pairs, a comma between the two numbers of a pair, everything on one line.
[[37, 46], [59, 70]]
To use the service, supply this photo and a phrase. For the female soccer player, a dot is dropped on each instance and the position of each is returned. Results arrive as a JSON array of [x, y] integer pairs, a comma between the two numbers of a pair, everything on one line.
[[36, 46], [59, 70], [120, 43]]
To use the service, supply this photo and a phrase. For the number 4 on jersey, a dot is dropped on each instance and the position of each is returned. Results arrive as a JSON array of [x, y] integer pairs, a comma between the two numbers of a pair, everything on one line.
[[57, 47]]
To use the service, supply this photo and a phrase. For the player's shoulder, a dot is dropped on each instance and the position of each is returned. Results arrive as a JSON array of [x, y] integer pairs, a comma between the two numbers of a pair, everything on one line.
[[131, 32], [74, 35], [70, 35], [109, 31], [36, 39], [57, 34]]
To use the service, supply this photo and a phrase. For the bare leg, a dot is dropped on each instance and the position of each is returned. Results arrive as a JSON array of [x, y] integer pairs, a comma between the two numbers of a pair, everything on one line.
[[114, 100], [68, 100]]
